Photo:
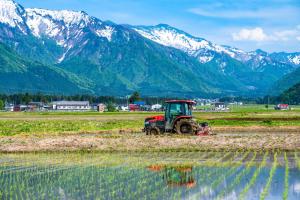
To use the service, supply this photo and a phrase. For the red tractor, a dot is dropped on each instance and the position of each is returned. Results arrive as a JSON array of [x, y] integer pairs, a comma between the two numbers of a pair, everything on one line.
[[177, 119]]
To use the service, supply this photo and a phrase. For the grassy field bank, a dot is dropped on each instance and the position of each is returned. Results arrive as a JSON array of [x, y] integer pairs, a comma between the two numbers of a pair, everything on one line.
[[242, 127]]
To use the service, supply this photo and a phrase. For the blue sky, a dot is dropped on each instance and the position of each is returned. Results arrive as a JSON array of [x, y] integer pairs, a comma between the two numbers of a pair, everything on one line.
[[271, 25]]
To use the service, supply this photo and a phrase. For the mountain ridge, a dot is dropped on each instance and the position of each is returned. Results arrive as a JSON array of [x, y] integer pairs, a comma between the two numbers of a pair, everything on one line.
[[123, 58]]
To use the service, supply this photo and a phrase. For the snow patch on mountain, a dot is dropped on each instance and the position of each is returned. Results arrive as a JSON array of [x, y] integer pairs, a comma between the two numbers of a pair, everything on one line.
[[205, 59], [295, 59], [106, 32], [40, 25], [64, 55], [55, 24], [68, 17], [10, 13]]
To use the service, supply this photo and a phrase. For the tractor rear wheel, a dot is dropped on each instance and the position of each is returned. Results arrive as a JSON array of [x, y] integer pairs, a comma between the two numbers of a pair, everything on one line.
[[186, 126], [154, 131]]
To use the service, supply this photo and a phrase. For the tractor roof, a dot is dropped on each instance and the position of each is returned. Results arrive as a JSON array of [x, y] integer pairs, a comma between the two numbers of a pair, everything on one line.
[[181, 101]]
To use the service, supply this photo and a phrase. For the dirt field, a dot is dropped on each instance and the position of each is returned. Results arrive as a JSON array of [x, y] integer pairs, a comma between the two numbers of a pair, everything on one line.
[[139, 142]]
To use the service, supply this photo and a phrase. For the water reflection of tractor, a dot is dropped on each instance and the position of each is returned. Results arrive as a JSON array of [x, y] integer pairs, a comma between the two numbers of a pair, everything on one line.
[[176, 176], [178, 118]]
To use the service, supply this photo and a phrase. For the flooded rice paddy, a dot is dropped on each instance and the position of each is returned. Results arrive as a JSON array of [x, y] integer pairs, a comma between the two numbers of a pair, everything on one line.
[[159, 175]]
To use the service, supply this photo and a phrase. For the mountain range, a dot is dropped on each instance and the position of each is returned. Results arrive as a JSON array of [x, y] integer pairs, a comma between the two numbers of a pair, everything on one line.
[[71, 52]]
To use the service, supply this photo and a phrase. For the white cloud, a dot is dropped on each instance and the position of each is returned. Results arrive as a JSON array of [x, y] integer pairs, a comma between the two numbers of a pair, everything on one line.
[[298, 38], [256, 34], [285, 35]]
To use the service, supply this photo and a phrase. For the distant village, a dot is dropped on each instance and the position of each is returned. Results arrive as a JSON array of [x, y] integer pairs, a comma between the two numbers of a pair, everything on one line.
[[204, 105], [84, 106]]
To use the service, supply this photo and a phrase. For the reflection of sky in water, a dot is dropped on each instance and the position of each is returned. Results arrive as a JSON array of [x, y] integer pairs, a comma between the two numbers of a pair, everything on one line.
[[296, 187]]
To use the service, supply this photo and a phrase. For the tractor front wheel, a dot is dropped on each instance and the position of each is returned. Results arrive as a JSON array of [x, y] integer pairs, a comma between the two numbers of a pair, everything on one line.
[[154, 131], [186, 126]]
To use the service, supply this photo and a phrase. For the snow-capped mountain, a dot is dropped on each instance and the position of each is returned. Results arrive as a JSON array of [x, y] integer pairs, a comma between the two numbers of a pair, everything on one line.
[[292, 58], [153, 59], [65, 27], [205, 51], [202, 49]]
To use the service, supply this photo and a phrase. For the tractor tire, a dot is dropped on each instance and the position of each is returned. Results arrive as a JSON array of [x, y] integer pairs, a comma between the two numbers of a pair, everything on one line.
[[147, 132], [154, 131], [186, 126]]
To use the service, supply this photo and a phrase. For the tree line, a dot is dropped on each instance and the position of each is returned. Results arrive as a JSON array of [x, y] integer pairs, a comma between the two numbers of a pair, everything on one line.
[[26, 98], [285, 98], [291, 96]]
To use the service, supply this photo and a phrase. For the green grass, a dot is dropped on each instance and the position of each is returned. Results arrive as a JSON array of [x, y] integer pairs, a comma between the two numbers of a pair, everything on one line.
[[79, 122], [15, 127]]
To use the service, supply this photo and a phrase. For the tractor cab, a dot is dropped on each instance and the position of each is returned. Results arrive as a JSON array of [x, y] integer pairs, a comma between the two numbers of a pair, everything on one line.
[[176, 110]]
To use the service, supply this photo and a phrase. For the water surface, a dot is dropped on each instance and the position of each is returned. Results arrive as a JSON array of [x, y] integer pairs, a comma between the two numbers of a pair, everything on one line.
[[173, 175]]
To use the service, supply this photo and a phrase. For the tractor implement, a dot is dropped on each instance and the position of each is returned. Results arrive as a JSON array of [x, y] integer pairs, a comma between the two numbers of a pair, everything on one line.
[[178, 119]]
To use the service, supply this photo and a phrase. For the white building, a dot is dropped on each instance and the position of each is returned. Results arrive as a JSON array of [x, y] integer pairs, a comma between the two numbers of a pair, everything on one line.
[[71, 105], [9, 108], [156, 107], [124, 108], [220, 106]]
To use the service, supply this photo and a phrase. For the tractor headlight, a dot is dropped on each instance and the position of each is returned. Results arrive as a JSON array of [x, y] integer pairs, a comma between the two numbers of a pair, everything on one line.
[[147, 123]]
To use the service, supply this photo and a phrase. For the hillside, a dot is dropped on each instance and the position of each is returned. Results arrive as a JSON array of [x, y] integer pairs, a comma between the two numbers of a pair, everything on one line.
[[18, 75], [286, 82], [292, 95]]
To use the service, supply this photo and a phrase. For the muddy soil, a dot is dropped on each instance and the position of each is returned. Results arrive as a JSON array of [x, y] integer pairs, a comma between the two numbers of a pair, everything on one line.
[[128, 140]]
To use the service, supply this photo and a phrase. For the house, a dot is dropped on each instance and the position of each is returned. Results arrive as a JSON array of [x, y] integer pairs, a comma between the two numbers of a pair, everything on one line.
[[9, 108], [71, 105], [20, 108], [156, 107], [282, 107], [123, 108], [134, 107], [220, 106], [35, 106], [145, 108]]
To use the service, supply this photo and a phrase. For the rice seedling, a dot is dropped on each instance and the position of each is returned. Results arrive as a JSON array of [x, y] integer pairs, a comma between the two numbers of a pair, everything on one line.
[[224, 171], [254, 177], [157, 175], [297, 160], [286, 178], [238, 177], [265, 191]]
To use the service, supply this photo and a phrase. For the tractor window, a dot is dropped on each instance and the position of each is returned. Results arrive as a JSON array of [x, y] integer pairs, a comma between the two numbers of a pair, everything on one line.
[[188, 108], [179, 109], [175, 109]]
